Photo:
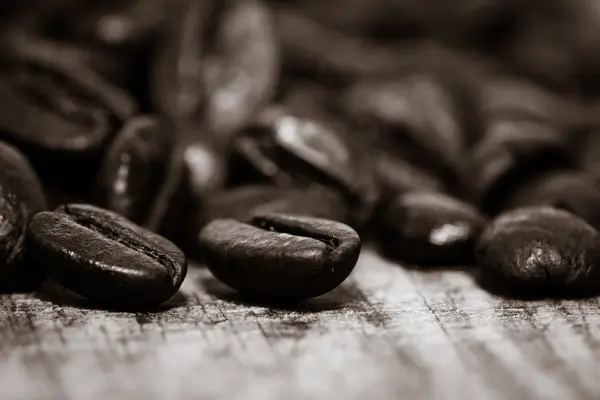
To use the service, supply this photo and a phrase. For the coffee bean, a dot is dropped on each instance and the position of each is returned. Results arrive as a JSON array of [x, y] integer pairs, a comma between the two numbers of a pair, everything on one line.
[[429, 228], [295, 151], [134, 168], [571, 191], [316, 49], [103, 256], [540, 251], [510, 150], [280, 257], [21, 196], [177, 78], [59, 115], [243, 67], [419, 107]]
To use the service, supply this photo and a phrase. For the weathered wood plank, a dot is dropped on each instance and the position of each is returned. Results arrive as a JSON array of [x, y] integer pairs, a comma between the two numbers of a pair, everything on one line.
[[387, 333]]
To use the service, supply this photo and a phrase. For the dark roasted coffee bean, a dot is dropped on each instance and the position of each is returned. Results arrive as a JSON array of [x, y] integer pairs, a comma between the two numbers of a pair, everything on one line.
[[429, 228], [572, 191], [504, 97], [280, 257], [60, 115], [243, 66], [540, 251], [419, 107], [510, 150], [177, 78], [134, 168], [21, 196], [295, 151], [105, 257]]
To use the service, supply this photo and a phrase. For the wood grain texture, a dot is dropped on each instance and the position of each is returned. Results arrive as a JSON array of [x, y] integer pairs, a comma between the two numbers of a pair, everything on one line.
[[388, 333]]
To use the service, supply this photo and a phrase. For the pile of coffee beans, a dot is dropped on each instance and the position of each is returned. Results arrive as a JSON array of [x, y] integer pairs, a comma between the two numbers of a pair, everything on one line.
[[267, 139]]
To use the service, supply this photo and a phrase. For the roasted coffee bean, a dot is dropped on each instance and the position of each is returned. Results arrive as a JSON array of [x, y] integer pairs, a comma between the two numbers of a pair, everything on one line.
[[60, 115], [134, 168], [419, 107], [243, 67], [506, 97], [540, 251], [429, 228], [572, 191], [21, 196], [280, 257], [177, 79], [105, 257], [316, 49], [510, 150], [295, 151]]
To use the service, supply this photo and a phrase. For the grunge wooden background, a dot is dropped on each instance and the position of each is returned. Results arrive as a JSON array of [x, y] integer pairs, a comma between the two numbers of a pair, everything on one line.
[[388, 333]]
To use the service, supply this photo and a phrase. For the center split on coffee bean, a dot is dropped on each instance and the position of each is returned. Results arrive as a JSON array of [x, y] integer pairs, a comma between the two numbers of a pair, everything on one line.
[[101, 255], [280, 257]]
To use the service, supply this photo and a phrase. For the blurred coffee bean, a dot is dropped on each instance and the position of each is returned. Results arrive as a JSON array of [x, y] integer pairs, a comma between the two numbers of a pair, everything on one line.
[[243, 202], [103, 256], [295, 151], [509, 96], [62, 117], [134, 167], [570, 190], [510, 150], [21, 196], [242, 67], [113, 23], [540, 251], [419, 107], [587, 149], [177, 77], [278, 257], [429, 228]]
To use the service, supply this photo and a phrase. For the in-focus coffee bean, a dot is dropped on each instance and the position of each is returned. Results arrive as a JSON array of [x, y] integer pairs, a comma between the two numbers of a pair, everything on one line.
[[540, 251], [280, 257], [429, 228], [134, 167], [101, 255]]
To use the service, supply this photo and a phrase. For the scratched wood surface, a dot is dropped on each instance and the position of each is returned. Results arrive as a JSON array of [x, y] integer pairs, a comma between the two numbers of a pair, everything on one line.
[[388, 333]]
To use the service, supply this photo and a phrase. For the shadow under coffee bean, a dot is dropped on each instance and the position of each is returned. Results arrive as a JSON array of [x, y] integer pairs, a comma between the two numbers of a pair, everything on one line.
[[103, 256], [280, 257]]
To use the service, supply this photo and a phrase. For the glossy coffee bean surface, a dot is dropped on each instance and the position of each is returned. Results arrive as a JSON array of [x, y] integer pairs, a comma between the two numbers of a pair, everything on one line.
[[279, 257], [105, 257], [540, 251], [429, 228]]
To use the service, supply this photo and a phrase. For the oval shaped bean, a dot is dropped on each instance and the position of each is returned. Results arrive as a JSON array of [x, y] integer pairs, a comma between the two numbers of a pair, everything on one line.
[[105, 257], [540, 251], [280, 257], [429, 228], [134, 167]]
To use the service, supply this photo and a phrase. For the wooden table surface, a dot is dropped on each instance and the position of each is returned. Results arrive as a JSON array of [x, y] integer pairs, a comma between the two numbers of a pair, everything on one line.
[[387, 333]]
